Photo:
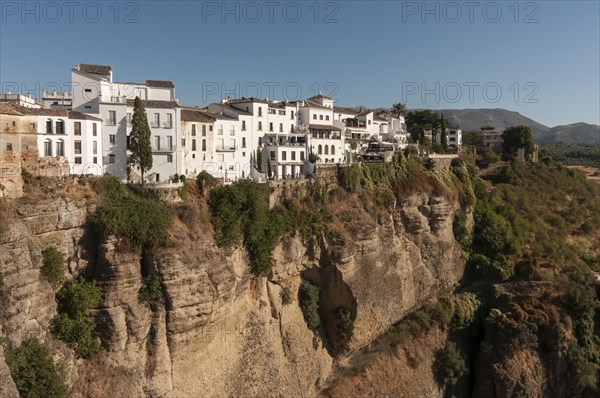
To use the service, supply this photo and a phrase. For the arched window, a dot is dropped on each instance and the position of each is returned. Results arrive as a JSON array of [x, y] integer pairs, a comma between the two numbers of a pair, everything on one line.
[[47, 148], [326, 117], [60, 148], [49, 128], [326, 150], [315, 116], [320, 150], [60, 126], [320, 117], [332, 150]]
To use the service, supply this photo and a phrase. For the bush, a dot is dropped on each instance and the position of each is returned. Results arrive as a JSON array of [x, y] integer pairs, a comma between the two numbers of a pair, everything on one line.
[[54, 266], [35, 373], [2, 287], [286, 296], [450, 365], [138, 221], [151, 292], [345, 327], [71, 323], [309, 303], [462, 233], [205, 182]]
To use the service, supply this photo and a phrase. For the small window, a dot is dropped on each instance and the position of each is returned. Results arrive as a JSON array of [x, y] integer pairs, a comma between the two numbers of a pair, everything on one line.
[[320, 117], [94, 129], [281, 127], [326, 117], [77, 147], [243, 125], [88, 90], [301, 155], [9, 147], [315, 117], [271, 111], [204, 130], [95, 160], [77, 128], [111, 159], [193, 130], [169, 158], [270, 126], [112, 118], [95, 147], [259, 111], [293, 155], [112, 138], [283, 155], [88, 107], [259, 126], [78, 160]]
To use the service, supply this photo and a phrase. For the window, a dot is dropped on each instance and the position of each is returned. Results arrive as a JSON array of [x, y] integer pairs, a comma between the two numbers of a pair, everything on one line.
[[48, 126], [259, 111], [95, 147], [314, 117], [169, 121], [78, 160], [170, 142], [112, 118], [283, 155], [320, 117], [157, 141], [243, 125], [204, 130], [293, 155], [272, 111], [88, 90], [9, 147], [88, 107], [232, 130], [220, 131], [259, 126], [77, 147], [272, 155], [111, 159], [95, 160], [281, 112], [320, 150], [326, 117], [112, 138], [210, 128], [156, 120], [77, 128], [301, 155], [270, 126], [204, 144], [94, 129], [183, 142], [244, 154], [128, 117], [292, 115], [47, 148], [281, 127], [169, 158], [194, 130], [243, 142], [326, 150], [60, 127], [193, 145]]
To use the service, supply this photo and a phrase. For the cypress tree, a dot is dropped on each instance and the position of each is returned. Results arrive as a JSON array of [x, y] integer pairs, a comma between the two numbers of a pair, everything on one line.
[[140, 146]]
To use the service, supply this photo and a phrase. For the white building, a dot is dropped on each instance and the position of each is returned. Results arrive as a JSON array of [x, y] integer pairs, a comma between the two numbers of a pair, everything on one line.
[[21, 100], [95, 93], [57, 100], [325, 138]]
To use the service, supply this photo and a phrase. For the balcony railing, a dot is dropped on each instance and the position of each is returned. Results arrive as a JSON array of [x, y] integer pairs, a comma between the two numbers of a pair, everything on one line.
[[154, 125], [226, 148], [164, 148], [167, 125], [111, 122]]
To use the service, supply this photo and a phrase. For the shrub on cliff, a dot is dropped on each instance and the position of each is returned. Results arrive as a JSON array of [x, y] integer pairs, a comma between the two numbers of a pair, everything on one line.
[[450, 365], [71, 323], [308, 295], [151, 292], [54, 266], [136, 220], [34, 371], [345, 327]]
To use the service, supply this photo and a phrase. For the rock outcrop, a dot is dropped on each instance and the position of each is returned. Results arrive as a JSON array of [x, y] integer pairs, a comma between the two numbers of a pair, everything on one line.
[[222, 331]]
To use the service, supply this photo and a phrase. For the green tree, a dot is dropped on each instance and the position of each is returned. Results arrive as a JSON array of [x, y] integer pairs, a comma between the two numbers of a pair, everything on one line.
[[35, 373], [309, 303], [418, 121], [450, 365], [54, 266], [141, 149], [517, 137], [259, 160], [398, 109]]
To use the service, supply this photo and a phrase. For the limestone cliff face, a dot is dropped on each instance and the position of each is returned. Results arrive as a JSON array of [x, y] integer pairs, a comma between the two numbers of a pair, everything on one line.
[[222, 331]]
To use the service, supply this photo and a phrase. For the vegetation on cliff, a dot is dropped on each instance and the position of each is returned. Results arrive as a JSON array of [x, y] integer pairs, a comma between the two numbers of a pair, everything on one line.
[[54, 266], [34, 371], [137, 221]]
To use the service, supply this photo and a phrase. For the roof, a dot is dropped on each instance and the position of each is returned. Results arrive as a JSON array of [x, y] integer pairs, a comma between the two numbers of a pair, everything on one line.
[[280, 105], [156, 104], [321, 96], [379, 119], [244, 99], [7, 108], [21, 110], [160, 83], [196, 115], [348, 111], [218, 116], [233, 108], [324, 127], [94, 69], [311, 104], [364, 112], [82, 116]]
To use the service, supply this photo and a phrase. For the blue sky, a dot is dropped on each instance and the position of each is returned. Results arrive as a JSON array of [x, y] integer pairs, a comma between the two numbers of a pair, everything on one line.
[[541, 59]]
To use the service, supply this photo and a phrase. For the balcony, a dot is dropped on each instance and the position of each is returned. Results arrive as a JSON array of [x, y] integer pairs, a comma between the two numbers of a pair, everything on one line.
[[167, 125], [154, 125], [164, 148], [226, 148], [111, 123]]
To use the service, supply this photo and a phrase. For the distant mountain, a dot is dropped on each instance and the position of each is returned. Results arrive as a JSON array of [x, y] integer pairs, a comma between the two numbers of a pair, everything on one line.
[[576, 133], [474, 119]]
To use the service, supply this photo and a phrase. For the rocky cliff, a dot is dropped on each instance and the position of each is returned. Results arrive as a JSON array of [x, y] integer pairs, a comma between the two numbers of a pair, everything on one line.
[[222, 331]]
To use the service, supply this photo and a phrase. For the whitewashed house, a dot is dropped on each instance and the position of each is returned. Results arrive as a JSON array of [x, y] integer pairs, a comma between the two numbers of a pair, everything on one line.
[[95, 93]]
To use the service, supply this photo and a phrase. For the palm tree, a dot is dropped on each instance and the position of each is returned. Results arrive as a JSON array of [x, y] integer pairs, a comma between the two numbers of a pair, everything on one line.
[[398, 109]]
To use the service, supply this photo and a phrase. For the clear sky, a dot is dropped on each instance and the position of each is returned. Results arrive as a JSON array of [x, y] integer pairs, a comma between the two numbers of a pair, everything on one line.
[[540, 58]]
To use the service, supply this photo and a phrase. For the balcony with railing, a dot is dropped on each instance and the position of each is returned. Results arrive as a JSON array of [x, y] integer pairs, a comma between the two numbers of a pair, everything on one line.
[[226, 148], [165, 148], [167, 125]]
